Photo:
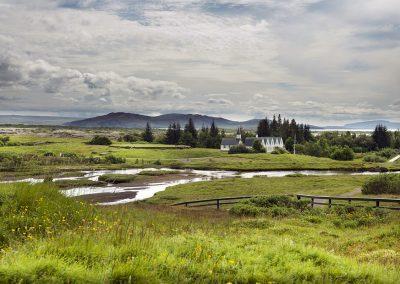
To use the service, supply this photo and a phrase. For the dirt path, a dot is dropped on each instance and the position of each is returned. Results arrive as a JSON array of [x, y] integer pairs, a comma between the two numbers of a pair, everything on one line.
[[394, 159]]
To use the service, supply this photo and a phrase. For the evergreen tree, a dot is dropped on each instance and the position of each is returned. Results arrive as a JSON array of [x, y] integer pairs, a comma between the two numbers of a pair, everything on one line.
[[189, 136], [148, 134], [279, 121], [381, 136], [307, 133], [189, 127], [215, 137], [285, 129], [274, 127], [169, 135], [263, 129], [293, 128]]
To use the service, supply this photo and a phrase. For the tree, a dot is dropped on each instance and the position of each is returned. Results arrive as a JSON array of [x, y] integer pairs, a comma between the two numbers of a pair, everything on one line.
[[258, 147], [215, 137], [263, 129], [307, 133], [189, 127], [169, 135], [289, 144], [274, 127], [147, 135], [343, 154], [381, 136]]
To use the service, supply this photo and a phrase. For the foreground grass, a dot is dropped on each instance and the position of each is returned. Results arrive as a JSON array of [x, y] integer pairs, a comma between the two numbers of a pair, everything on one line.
[[153, 244], [324, 185]]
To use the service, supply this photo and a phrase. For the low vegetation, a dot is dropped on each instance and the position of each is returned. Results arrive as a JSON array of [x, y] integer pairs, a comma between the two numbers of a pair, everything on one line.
[[280, 206], [158, 173], [117, 178], [100, 140], [382, 184], [47, 237]]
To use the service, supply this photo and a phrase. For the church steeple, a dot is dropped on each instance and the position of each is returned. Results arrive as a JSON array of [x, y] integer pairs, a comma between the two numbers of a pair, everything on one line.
[[239, 134]]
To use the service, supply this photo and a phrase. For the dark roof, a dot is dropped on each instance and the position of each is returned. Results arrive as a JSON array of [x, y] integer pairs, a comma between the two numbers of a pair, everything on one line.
[[229, 141], [249, 142]]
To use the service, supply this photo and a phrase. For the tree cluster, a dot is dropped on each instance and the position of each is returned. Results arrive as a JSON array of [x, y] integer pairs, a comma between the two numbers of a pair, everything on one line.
[[284, 128], [207, 137]]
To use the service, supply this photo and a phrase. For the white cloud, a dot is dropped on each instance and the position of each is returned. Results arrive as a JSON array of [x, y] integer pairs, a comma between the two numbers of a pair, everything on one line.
[[267, 55]]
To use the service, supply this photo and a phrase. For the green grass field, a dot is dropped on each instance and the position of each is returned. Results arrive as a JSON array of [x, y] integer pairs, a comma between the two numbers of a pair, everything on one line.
[[46, 237], [49, 238], [140, 155]]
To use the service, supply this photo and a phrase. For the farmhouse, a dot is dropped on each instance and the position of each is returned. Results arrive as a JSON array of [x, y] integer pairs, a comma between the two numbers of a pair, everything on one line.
[[269, 143]]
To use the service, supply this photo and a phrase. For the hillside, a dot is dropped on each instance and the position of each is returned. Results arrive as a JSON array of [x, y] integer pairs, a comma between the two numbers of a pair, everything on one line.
[[130, 120]]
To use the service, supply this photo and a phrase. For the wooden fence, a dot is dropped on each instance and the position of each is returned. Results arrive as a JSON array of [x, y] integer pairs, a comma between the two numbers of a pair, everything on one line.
[[314, 200]]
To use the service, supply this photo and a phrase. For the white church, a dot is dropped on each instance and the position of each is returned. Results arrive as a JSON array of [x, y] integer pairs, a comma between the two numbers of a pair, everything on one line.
[[269, 143]]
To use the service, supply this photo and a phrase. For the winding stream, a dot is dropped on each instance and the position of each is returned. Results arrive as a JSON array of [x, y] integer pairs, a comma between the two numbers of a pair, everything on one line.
[[148, 190]]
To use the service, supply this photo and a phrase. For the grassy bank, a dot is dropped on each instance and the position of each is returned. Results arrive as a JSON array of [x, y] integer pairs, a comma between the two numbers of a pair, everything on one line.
[[157, 244], [325, 185]]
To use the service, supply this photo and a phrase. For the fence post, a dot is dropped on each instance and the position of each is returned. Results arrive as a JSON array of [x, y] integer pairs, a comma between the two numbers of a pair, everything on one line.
[[186, 204], [298, 197], [218, 204], [330, 203], [312, 202], [377, 203]]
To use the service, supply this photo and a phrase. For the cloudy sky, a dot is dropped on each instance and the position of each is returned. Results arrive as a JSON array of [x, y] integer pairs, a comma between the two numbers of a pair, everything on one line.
[[321, 61]]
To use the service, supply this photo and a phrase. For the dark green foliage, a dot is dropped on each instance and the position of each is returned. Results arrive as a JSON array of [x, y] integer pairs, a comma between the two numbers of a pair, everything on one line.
[[100, 140], [4, 140], [173, 134], [147, 135], [111, 159], [129, 138], [284, 129], [343, 154], [239, 149], [258, 147], [381, 136], [374, 158], [382, 184], [387, 153], [289, 143]]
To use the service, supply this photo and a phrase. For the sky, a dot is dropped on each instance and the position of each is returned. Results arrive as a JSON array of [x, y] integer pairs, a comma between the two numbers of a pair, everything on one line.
[[320, 61]]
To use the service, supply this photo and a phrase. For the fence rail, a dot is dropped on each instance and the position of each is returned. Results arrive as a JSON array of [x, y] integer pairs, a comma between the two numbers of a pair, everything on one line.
[[314, 200]]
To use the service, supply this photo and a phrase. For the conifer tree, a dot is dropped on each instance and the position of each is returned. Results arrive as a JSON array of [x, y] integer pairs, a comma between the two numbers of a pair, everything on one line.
[[381, 136], [148, 134]]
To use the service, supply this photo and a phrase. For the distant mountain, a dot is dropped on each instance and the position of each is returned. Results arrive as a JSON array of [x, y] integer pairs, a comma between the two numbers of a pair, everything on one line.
[[35, 120], [130, 120], [371, 124]]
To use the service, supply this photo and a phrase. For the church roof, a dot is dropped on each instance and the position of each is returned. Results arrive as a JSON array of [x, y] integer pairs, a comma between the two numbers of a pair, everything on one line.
[[229, 141]]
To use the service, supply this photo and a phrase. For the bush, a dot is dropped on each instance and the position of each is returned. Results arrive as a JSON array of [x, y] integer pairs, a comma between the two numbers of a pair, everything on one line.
[[387, 153], [383, 183], [100, 140], [279, 151], [373, 158], [258, 147], [343, 154], [240, 149], [111, 159]]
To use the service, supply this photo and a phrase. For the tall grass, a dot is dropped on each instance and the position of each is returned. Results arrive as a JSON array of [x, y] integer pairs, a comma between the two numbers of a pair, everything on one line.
[[381, 184], [154, 244]]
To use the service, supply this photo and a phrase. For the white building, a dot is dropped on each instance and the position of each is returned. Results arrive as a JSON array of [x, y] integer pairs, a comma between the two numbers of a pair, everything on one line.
[[269, 143]]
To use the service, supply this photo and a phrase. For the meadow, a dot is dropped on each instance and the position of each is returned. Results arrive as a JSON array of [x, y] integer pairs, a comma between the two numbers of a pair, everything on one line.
[[47, 237], [47, 154]]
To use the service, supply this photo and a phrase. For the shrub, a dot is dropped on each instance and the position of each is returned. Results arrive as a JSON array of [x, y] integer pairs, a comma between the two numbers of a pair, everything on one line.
[[4, 140], [258, 147], [243, 209], [383, 183], [100, 140], [239, 149], [279, 151], [387, 153], [343, 154], [111, 159], [373, 158], [49, 154]]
